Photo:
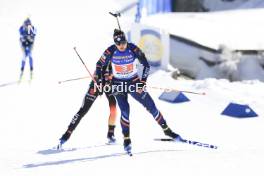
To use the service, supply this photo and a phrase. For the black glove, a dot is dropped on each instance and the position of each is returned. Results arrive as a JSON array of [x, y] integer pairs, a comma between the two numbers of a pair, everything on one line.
[[141, 85], [22, 39], [99, 87], [30, 39]]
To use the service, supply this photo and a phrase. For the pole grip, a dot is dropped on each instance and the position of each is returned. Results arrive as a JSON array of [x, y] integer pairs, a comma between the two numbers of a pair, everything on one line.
[[116, 15]]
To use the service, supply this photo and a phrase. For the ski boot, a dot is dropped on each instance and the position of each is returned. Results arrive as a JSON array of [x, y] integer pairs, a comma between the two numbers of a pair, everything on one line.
[[111, 138], [31, 76], [63, 139], [20, 77], [170, 133], [110, 134], [59, 146], [127, 146]]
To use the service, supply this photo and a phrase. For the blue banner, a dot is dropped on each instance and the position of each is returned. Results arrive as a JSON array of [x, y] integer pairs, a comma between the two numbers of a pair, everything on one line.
[[156, 6]]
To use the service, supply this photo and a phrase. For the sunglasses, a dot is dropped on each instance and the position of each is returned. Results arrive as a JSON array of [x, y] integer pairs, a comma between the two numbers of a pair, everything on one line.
[[121, 43]]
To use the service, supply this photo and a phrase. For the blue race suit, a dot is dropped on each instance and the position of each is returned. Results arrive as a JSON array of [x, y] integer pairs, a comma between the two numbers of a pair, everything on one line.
[[125, 74], [27, 36]]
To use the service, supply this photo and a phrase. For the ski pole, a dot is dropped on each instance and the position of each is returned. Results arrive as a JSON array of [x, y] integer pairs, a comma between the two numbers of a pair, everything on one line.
[[170, 89], [150, 87], [95, 82], [73, 79], [116, 15]]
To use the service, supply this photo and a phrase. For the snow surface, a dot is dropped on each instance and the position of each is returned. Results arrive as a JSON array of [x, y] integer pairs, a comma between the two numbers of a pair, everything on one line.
[[34, 116]]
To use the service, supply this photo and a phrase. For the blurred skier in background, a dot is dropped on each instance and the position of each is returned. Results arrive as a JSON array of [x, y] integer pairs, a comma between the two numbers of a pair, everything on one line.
[[27, 36], [122, 57], [91, 95]]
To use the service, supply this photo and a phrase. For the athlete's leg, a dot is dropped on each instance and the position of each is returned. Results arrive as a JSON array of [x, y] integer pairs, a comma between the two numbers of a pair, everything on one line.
[[88, 101], [112, 117], [124, 120]]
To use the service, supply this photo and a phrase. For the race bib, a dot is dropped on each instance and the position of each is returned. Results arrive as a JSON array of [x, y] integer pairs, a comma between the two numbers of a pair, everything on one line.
[[124, 71]]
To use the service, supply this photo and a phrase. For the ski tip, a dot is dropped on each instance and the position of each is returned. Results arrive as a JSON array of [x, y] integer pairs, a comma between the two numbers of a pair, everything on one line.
[[130, 154], [213, 147]]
